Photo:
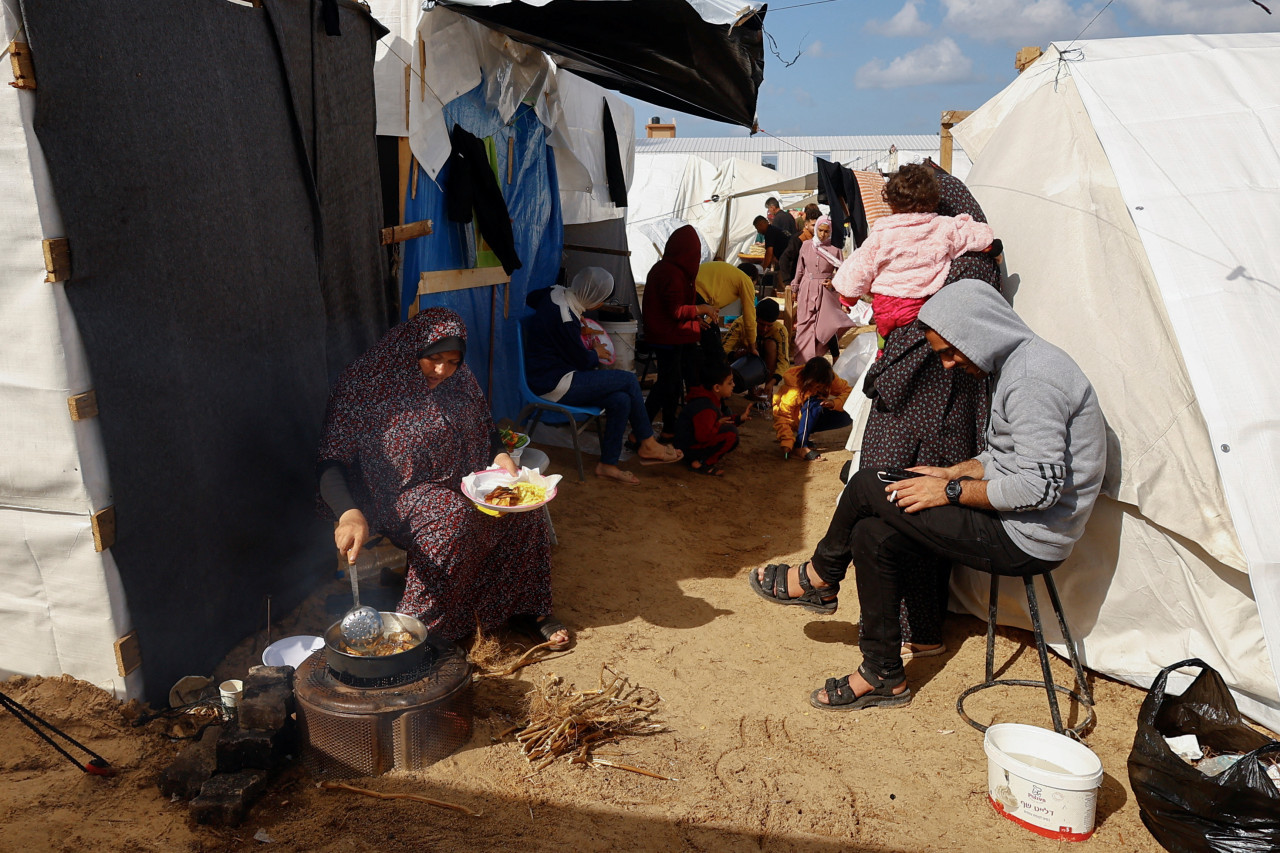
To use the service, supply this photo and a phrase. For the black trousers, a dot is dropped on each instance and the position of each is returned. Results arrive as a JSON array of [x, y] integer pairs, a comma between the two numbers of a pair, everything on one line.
[[883, 542], [676, 364]]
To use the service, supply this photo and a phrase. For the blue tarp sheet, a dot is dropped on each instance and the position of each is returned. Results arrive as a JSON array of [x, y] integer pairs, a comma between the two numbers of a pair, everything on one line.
[[533, 200]]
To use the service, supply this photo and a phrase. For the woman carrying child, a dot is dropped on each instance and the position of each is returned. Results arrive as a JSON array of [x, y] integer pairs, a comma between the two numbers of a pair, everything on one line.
[[820, 318], [923, 414], [706, 430], [811, 400]]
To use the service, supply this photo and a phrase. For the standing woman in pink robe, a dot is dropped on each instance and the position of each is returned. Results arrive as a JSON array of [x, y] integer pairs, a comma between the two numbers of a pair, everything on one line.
[[819, 316]]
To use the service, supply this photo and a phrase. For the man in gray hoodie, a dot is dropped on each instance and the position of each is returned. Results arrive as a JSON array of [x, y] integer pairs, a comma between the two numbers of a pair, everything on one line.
[[1016, 509]]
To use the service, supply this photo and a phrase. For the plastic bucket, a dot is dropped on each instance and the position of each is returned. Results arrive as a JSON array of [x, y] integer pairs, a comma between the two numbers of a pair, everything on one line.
[[623, 336], [748, 372], [1043, 781]]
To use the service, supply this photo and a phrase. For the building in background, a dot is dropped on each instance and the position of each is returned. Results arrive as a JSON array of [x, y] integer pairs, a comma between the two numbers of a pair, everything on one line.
[[791, 156]]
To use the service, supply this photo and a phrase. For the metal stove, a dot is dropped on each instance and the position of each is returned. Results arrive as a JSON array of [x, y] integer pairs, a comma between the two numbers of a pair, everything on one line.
[[356, 727]]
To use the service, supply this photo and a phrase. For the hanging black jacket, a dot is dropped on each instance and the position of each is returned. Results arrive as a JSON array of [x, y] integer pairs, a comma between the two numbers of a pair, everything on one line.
[[471, 186]]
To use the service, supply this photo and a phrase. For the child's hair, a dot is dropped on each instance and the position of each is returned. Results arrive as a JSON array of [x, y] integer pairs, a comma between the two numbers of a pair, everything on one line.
[[812, 212], [913, 190], [715, 372], [816, 373], [752, 271], [766, 311]]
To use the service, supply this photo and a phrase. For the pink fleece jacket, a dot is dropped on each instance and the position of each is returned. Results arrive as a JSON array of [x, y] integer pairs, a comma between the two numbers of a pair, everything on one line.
[[909, 254]]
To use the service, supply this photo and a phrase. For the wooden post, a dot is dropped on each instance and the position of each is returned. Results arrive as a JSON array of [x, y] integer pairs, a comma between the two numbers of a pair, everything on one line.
[[1025, 57], [950, 118]]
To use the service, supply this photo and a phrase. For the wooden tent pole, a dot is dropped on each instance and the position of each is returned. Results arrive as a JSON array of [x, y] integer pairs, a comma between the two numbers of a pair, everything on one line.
[[493, 319]]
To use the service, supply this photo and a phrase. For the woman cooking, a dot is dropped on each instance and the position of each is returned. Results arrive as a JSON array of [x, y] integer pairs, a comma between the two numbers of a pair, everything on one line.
[[406, 422], [819, 316]]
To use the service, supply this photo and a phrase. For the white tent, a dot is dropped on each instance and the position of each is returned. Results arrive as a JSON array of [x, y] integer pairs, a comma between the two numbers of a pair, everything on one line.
[[720, 202], [1136, 186], [62, 599]]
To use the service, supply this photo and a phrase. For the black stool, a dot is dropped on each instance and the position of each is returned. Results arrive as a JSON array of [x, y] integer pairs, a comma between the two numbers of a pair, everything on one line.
[[1084, 696]]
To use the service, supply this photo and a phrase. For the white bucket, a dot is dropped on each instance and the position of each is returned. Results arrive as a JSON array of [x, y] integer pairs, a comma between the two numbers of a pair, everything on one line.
[[1042, 780], [623, 336]]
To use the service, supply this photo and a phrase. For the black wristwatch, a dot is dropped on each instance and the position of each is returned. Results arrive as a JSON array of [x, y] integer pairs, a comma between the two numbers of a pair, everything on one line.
[[953, 492]]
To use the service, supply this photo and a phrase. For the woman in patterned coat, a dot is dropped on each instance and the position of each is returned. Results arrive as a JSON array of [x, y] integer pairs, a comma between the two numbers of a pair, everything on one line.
[[923, 414], [406, 422]]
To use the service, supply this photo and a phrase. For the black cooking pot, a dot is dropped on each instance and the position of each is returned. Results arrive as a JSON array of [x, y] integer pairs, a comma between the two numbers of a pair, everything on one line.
[[383, 666]]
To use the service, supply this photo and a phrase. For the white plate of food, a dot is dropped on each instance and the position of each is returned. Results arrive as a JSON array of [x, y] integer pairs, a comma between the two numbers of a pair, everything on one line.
[[495, 489]]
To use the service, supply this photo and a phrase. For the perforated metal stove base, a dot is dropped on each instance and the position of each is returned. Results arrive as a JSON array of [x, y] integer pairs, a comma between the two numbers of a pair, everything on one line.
[[353, 731]]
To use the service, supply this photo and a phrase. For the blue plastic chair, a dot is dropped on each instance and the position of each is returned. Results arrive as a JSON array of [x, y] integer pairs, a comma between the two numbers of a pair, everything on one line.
[[536, 407]]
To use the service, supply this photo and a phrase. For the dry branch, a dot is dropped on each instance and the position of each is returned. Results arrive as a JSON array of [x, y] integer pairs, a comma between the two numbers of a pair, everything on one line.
[[565, 721], [417, 798]]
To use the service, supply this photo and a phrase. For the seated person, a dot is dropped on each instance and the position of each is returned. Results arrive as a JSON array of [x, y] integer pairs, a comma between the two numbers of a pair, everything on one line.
[[406, 422], [810, 400], [1016, 509], [771, 343], [562, 369], [706, 430]]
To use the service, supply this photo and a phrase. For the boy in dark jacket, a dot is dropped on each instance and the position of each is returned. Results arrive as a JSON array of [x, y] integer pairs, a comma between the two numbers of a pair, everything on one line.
[[706, 431]]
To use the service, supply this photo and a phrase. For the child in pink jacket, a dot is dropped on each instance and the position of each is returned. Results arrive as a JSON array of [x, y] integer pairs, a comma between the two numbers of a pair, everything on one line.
[[908, 254]]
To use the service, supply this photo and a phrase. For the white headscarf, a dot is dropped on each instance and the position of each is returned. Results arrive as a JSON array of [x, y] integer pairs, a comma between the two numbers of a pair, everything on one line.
[[590, 287]]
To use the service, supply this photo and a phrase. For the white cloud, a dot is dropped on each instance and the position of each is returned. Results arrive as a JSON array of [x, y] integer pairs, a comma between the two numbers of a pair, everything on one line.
[[1023, 23], [939, 62], [1196, 16], [906, 23], [816, 50]]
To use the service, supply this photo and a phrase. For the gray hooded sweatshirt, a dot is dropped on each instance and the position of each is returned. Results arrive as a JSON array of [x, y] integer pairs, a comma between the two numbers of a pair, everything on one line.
[[1046, 438]]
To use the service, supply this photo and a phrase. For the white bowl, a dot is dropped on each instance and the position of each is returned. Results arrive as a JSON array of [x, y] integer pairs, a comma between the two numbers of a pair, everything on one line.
[[291, 651]]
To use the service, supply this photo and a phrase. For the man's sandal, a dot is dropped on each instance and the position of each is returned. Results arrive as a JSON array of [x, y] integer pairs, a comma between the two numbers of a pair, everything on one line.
[[840, 696], [774, 588]]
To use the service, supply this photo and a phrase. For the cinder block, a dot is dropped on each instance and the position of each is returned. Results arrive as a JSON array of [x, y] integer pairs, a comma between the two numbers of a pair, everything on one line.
[[193, 766], [239, 749], [225, 799], [267, 702]]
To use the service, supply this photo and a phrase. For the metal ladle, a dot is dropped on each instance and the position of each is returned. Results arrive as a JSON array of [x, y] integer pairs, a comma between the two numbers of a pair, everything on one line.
[[362, 625]]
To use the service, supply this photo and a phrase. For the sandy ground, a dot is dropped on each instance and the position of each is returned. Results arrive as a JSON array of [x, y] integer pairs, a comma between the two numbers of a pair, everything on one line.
[[653, 581]]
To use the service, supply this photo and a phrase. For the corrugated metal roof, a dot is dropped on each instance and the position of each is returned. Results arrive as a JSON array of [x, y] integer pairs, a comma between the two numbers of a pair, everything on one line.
[[769, 144]]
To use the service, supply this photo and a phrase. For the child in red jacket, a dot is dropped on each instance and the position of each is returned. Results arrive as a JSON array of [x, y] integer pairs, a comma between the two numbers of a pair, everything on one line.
[[706, 430]]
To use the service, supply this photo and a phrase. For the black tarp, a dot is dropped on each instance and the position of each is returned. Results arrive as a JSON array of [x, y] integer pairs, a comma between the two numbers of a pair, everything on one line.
[[216, 170], [660, 51]]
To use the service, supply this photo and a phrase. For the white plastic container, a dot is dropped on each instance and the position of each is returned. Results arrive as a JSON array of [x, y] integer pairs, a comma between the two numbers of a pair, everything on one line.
[[623, 336], [1043, 781]]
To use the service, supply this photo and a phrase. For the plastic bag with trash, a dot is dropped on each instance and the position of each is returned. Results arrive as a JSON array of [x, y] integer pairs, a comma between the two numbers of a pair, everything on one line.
[[1186, 810]]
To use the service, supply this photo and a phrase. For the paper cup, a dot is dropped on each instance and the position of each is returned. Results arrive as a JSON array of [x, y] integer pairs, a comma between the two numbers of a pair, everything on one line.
[[231, 691]]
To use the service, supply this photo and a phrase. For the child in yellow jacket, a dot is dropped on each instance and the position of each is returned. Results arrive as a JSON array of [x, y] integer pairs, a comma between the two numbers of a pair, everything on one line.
[[810, 399]]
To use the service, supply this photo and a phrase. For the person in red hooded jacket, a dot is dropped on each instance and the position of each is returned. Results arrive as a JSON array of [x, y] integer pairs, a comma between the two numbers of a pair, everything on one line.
[[672, 323]]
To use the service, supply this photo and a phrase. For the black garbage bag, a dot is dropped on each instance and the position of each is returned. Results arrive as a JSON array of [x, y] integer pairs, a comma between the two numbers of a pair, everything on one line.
[[1237, 810]]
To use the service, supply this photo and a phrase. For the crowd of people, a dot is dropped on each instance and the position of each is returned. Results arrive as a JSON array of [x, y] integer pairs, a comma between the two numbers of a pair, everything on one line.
[[984, 444]]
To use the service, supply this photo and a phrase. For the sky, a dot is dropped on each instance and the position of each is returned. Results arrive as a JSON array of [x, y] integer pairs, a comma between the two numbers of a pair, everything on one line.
[[894, 67]]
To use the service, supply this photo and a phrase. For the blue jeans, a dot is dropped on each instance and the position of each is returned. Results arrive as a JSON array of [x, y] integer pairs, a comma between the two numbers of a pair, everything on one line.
[[618, 393], [814, 418]]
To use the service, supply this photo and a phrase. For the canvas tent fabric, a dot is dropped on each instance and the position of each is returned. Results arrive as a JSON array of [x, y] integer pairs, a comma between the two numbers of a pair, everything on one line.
[[220, 269], [1136, 186], [61, 602], [661, 51], [720, 202]]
